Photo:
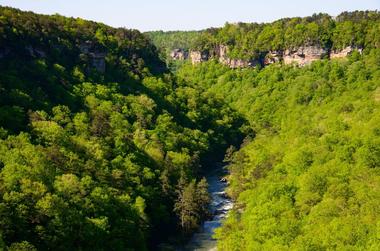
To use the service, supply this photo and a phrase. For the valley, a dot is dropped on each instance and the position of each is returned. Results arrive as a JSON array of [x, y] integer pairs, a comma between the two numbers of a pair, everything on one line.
[[250, 136]]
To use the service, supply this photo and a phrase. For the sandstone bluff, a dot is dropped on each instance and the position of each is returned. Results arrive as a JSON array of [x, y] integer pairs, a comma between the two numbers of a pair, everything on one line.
[[300, 56]]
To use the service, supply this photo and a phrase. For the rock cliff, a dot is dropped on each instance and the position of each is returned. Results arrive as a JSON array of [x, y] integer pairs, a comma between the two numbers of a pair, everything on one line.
[[344, 52], [300, 56], [98, 61], [179, 54], [221, 54], [97, 57], [304, 55], [273, 57], [199, 56], [222, 51]]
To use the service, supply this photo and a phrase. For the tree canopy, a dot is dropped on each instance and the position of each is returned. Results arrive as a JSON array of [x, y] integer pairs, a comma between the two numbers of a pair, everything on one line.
[[102, 147]]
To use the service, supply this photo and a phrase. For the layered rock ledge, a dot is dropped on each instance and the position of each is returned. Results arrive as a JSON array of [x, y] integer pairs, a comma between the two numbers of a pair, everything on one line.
[[300, 56]]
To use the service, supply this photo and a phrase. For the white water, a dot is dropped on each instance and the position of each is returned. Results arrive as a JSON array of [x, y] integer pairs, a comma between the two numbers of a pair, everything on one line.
[[220, 205]]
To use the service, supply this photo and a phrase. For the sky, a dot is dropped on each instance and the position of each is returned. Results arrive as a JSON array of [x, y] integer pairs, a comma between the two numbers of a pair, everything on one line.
[[148, 15]]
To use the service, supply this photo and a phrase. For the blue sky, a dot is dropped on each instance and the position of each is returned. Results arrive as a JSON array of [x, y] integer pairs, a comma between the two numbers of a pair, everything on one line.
[[148, 15]]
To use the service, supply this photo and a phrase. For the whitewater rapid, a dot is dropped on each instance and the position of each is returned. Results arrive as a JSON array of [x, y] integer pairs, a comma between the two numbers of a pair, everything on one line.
[[203, 239]]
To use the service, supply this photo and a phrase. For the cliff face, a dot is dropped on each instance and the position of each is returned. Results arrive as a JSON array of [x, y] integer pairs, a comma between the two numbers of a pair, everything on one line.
[[198, 56], [222, 52], [304, 55], [179, 54], [97, 57], [344, 52], [300, 56], [273, 57]]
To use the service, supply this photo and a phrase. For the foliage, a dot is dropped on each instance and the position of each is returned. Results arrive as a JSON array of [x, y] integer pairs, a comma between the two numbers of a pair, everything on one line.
[[91, 159], [251, 40], [308, 177], [192, 203], [168, 41], [171, 40]]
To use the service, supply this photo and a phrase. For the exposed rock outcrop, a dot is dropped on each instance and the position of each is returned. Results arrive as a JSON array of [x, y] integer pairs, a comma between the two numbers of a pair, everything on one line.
[[198, 56], [304, 55], [273, 57], [344, 52], [221, 53], [98, 61], [179, 54], [301, 56], [240, 63], [97, 57]]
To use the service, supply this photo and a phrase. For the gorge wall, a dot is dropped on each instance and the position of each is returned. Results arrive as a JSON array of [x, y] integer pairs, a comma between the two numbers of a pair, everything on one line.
[[300, 56]]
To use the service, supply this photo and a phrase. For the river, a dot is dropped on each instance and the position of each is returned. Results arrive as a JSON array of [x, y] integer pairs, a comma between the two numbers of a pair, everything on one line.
[[220, 204]]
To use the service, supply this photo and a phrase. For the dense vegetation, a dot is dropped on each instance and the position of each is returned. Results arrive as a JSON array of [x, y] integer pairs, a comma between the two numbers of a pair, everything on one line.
[[310, 178], [170, 40], [98, 157], [101, 147], [250, 40]]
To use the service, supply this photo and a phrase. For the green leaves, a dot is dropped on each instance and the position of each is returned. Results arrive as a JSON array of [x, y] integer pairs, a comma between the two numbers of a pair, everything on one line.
[[308, 179], [191, 204]]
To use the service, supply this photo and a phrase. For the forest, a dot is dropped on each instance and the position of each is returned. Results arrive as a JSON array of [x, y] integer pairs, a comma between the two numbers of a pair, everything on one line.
[[170, 40], [103, 147], [250, 40], [91, 158], [309, 178]]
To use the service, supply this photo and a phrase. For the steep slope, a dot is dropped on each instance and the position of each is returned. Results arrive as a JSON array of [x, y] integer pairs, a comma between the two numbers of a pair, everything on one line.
[[308, 177], [170, 40], [289, 40], [42, 57], [98, 143], [101, 147]]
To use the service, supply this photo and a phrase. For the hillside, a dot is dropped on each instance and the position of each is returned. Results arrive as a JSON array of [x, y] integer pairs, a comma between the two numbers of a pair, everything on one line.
[[309, 178], [289, 40], [170, 40], [103, 145], [97, 140]]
